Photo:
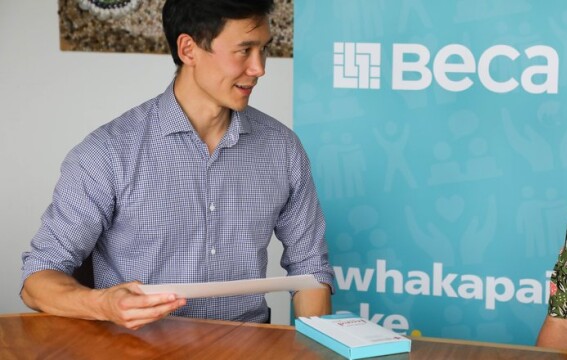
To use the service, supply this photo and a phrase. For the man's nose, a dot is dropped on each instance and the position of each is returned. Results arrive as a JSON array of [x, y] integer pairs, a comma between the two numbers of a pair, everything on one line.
[[257, 64]]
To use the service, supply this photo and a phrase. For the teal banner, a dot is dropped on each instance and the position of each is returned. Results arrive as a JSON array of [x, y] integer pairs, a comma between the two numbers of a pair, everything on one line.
[[437, 133]]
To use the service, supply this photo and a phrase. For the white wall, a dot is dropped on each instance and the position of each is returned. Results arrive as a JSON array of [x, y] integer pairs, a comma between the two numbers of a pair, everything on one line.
[[49, 100]]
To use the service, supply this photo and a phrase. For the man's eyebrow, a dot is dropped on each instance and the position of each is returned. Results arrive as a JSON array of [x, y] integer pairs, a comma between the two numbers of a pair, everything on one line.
[[254, 43]]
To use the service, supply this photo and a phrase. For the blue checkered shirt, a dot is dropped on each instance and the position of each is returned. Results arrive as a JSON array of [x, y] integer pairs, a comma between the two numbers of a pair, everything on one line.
[[143, 194]]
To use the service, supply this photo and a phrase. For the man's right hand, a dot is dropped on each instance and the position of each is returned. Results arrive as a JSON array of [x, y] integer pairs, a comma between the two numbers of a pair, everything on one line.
[[128, 306], [57, 293]]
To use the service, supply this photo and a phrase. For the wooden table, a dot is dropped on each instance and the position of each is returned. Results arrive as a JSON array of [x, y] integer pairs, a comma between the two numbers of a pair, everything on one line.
[[40, 336]]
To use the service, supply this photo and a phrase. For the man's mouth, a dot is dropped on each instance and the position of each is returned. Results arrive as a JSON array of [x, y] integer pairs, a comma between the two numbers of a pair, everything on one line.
[[245, 87]]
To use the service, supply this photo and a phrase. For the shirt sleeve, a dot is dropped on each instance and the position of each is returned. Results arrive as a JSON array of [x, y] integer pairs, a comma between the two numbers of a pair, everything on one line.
[[301, 225], [558, 287], [81, 208]]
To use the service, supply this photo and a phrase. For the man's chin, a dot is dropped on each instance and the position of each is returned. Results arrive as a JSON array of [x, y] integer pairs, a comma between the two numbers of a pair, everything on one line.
[[239, 107]]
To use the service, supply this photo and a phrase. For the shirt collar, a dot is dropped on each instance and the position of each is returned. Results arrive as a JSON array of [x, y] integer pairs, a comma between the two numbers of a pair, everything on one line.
[[172, 119]]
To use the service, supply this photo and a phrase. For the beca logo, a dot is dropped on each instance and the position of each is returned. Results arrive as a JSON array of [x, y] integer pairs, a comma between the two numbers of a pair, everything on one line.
[[357, 65]]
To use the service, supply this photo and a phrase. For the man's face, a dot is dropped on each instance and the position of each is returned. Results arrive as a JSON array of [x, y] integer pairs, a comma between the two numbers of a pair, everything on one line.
[[227, 74]]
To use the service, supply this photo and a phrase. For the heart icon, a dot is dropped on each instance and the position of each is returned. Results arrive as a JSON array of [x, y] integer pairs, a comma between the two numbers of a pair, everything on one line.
[[450, 208]]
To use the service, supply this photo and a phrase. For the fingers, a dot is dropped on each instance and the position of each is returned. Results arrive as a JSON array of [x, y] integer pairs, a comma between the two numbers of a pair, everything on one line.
[[138, 317], [138, 299]]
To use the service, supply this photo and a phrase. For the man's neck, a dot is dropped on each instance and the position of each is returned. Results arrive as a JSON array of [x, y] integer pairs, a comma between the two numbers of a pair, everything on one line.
[[210, 122]]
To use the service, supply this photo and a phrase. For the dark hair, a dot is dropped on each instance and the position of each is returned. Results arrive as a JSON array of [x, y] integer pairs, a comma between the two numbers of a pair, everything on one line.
[[204, 20]]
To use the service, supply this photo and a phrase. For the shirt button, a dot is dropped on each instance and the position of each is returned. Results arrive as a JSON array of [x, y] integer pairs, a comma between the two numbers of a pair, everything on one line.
[[213, 251], [212, 207]]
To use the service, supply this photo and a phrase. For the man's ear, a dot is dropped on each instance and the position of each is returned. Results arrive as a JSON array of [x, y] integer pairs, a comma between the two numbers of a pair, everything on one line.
[[186, 49]]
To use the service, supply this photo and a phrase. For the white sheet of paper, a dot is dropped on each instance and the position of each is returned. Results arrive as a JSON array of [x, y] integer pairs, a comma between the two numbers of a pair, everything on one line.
[[236, 287]]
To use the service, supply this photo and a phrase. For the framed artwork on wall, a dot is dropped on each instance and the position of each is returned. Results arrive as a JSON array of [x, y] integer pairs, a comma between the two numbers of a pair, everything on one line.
[[134, 26]]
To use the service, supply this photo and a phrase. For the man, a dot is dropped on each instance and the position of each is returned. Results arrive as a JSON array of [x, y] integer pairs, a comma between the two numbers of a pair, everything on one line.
[[187, 187], [554, 329]]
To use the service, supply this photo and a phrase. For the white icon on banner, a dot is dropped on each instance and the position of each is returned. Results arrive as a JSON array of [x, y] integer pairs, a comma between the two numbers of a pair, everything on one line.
[[357, 65]]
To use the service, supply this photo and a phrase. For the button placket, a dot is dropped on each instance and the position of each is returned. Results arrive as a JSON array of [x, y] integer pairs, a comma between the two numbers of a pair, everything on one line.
[[211, 215]]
